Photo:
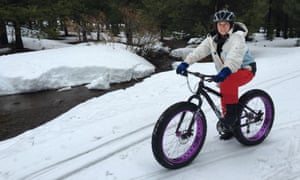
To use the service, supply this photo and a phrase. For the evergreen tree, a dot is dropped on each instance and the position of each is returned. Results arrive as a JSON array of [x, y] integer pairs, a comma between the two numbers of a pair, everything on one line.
[[192, 17], [19, 13], [159, 12]]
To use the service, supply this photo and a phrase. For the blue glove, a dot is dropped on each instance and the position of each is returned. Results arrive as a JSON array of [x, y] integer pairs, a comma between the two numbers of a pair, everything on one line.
[[222, 75], [181, 68]]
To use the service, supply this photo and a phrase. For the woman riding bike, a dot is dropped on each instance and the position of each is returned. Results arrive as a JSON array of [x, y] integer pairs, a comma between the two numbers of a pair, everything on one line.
[[234, 64]]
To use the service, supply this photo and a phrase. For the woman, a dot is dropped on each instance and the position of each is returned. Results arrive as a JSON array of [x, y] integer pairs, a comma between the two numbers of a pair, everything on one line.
[[234, 64]]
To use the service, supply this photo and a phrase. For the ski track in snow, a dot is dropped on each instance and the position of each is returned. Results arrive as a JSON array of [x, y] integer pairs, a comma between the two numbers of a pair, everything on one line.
[[212, 155], [289, 150], [136, 137], [106, 150], [275, 81]]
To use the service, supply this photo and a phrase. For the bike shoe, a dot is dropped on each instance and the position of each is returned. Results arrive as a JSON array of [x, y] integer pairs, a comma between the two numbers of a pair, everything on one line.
[[226, 135], [225, 132]]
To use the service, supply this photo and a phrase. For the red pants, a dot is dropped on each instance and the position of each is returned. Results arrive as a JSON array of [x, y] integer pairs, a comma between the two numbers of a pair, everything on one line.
[[230, 87]]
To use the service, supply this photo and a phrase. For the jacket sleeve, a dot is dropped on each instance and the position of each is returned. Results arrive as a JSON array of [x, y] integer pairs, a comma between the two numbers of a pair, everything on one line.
[[236, 53], [199, 53]]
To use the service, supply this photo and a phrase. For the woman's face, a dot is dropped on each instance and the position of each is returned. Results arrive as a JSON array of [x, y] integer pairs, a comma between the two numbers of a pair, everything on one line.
[[223, 27]]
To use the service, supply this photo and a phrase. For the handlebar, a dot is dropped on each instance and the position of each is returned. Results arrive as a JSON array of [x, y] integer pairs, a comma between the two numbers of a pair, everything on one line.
[[204, 77]]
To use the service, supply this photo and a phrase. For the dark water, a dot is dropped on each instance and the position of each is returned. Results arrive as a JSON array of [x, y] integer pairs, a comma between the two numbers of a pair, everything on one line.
[[19, 113]]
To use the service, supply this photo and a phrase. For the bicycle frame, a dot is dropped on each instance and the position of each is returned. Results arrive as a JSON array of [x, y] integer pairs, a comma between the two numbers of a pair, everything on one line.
[[203, 90]]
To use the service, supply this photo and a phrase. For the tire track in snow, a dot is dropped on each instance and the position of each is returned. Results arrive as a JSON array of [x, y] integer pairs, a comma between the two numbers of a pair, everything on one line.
[[205, 159], [212, 156], [277, 80], [285, 166], [135, 137]]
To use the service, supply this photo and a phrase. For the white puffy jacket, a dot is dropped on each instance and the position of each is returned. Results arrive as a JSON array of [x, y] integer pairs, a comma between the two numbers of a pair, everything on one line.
[[234, 55]]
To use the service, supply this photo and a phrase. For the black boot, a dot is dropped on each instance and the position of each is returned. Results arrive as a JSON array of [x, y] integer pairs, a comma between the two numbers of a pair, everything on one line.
[[225, 132], [226, 135], [231, 117]]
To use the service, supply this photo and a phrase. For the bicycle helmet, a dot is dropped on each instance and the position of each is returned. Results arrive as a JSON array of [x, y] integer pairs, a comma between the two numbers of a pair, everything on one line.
[[224, 15]]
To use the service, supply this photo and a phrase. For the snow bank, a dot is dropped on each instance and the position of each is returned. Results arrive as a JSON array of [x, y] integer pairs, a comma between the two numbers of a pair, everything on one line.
[[70, 66]]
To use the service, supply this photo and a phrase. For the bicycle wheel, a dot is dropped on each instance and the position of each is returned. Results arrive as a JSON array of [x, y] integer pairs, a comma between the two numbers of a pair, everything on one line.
[[174, 144], [256, 117]]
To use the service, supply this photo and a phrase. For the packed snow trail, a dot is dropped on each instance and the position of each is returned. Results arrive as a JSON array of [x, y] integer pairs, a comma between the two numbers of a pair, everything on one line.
[[86, 159]]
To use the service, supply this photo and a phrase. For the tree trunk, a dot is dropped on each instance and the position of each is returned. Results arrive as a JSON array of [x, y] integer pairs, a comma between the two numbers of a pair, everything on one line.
[[129, 35], [19, 42], [84, 35], [98, 32], [3, 34], [162, 32], [286, 27], [269, 22], [83, 31], [65, 28]]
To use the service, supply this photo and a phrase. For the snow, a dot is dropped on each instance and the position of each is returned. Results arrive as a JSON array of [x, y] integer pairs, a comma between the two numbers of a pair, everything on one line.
[[41, 44], [109, 137], [97, 65]]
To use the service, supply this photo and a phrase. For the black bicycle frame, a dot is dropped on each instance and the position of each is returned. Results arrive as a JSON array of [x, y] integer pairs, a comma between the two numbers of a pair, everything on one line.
[[203, 91]]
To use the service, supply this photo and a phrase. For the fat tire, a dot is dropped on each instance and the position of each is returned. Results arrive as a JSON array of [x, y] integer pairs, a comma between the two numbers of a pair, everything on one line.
[[161, 125], [268, 104]]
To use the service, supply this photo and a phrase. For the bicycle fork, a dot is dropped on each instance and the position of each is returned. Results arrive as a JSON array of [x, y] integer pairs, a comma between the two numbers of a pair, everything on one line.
[[189, 131], [185, 134]]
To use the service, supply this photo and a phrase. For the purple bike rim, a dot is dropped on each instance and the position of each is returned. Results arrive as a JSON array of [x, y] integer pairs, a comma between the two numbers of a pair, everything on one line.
[[190, 152], [266, 123]]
